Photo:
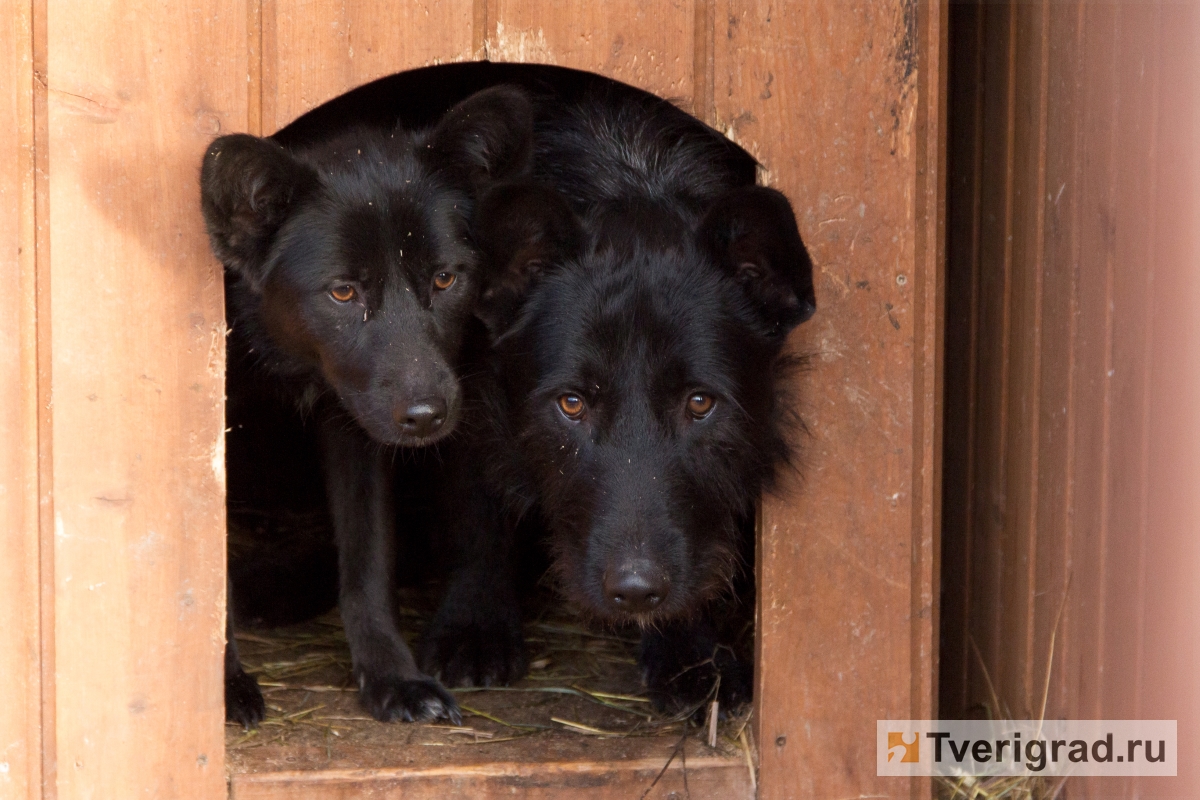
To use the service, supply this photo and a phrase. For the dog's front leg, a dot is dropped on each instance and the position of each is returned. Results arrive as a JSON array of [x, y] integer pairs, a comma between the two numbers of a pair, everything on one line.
[[685, 667], [475, 638], [243, 699], [358, 479]]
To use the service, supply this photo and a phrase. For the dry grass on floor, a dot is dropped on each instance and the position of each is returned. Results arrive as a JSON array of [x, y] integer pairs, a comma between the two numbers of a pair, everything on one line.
[[999, 788], [582, 683]]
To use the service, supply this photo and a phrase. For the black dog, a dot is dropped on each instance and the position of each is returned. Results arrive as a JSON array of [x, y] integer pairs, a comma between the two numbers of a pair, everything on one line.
[[351, 281], [641, 296]]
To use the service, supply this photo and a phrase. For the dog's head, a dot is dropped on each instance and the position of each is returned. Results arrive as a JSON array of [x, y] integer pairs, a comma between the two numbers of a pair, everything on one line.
[[640, 351], [358, 256]]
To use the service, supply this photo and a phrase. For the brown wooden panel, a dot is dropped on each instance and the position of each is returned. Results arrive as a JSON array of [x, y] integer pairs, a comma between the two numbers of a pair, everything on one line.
[[1092, 355], [137, 90], [841, 125], [1083, 424], [20, 662], [1167, 686], [621, 775], [1059, 245], [1135, 102], [1018, 470], [316, 50], [644, 43]]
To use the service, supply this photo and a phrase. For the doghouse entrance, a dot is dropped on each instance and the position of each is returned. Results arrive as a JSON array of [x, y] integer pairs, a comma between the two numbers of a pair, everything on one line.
[[579, 719]]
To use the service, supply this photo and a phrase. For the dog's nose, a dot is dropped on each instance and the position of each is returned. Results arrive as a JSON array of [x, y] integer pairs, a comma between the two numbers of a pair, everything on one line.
[[635, 587], [424, 417]]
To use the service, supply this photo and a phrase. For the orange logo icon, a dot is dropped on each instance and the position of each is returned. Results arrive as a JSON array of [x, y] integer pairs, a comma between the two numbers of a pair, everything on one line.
[[909, 752]]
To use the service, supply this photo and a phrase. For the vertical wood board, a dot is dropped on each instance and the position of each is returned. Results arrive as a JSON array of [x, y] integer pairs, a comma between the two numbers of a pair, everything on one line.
[[20, 656], [646, 44], [827, 97], [1078, 586], [136, 91], [316, 50]]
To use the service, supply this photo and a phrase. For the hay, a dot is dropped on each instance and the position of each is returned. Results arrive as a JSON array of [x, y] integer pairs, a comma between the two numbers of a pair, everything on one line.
[[1022, 787], [581, 683]]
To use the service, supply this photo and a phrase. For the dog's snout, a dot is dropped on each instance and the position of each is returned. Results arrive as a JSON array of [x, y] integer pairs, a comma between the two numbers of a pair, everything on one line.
[[635, 587], [422, 418]]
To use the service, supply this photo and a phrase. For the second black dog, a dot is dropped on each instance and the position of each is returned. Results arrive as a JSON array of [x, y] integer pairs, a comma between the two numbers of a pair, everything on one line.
[[642, 294]]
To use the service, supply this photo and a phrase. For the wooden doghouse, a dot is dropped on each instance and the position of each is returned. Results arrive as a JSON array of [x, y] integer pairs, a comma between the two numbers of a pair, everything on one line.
[[112, 346]]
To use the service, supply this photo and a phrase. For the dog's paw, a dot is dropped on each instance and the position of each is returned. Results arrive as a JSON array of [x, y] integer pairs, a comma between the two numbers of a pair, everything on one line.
[[475, 654], [389, 699], [737, 686], [243, 700], [676, 684]]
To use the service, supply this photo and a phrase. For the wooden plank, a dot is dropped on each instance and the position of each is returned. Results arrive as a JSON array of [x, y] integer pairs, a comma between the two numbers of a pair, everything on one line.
[[846, 586], [315, 50], [1171, 647], [137, 368], [1018, 475], [1093, 359], [929, 317], [594, 779], [1086, 396], [1133, 101], [1059, 202], [649, 45], [20, 640]]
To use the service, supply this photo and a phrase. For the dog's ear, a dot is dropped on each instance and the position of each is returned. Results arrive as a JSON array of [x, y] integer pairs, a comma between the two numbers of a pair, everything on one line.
[[751, 232], [489, 136], [247, 187], [525, 232]]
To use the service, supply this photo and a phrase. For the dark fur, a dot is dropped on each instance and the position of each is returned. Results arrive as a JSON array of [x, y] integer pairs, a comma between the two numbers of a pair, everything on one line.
[[639, 271], [382, 212]]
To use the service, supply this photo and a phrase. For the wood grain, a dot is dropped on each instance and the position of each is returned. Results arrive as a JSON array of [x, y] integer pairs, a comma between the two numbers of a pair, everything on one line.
[[316, 50], [1078, 296], [614, 770], [647, 44], [136, 92], [847, 561], [20, 551], [1170, 639]]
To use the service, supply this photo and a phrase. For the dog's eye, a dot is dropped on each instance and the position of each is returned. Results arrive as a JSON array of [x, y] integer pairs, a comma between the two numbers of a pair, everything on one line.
[[343, 293], [572, 406], [444, 280], [700, 405]]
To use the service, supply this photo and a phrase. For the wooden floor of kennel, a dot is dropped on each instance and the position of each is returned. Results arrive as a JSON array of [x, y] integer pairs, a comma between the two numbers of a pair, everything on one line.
[[111, 369]]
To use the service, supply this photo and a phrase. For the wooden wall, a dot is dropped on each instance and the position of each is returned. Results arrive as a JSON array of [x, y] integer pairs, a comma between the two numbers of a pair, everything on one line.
[[1072, 373], [20, 648], [841, 104], [120, 435], [112, 402]]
